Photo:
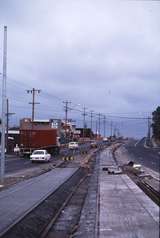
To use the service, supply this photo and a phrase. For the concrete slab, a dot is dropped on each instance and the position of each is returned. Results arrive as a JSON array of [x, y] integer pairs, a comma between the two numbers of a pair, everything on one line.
[[17, 201], [125, 211], [106, 159]]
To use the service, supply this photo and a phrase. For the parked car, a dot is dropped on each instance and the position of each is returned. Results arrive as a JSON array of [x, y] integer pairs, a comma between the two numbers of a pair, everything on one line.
[[73, 145], [40, 155], [93, 144]]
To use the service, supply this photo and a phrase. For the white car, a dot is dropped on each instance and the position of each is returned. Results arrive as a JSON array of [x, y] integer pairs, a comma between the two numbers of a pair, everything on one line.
[[105, 139], [73, 145], [40, 155]]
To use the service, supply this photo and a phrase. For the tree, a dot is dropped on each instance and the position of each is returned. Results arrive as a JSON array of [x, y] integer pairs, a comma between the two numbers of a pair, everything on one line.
[[156, 123]]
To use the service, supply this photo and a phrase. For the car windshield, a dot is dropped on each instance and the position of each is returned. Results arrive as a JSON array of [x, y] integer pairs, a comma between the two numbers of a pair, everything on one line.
[[38, 152]]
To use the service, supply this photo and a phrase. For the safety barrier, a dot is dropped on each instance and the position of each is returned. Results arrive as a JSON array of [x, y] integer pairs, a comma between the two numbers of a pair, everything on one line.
[[67, 158]]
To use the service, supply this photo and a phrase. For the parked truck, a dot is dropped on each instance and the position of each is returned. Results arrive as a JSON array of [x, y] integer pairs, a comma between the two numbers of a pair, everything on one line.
[[40, 134]]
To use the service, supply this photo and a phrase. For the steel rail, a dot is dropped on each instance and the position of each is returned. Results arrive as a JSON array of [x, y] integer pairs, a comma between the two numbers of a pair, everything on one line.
[[150, 191], [53, 220]]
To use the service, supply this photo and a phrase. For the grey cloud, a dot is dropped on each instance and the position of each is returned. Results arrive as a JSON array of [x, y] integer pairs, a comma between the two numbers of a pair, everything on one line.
[[80, 50]]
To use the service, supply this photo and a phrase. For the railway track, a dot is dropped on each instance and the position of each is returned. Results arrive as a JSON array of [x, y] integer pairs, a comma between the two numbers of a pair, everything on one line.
[[150, 189], [142, 181], [153, 193], [37, 223], [66, 222]]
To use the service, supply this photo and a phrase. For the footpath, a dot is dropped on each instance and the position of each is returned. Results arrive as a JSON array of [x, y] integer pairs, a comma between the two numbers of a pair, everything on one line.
[[125, 211]]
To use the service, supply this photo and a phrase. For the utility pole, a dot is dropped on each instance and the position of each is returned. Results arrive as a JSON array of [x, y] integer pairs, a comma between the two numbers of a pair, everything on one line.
[[96, 129], [91, 122], [114, 131], [84, 120], [4, 105], [99, 123], [66, 108], [111, 127], [104, 124], [7, 123], [149, 130], [33, 92]]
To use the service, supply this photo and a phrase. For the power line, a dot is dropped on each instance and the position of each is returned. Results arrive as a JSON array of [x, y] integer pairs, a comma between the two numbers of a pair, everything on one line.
[[53, 96], [131, 118]]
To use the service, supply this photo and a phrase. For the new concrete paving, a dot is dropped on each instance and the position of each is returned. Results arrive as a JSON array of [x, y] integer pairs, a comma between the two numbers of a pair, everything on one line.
[[17, 201], [124, 211]]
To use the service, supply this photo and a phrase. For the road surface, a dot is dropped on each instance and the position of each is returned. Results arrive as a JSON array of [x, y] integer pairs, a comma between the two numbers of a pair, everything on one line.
[[14, 163], [145, 156]]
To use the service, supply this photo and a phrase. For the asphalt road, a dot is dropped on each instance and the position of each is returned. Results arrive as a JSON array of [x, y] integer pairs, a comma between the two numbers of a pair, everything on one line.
[[145, 156], [14, 163]]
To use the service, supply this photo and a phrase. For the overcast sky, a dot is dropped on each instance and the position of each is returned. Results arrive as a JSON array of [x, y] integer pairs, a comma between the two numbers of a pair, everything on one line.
[[101, 54]]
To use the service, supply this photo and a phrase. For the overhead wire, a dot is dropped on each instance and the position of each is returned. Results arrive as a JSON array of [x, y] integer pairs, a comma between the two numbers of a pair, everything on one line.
[[49, 96]]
